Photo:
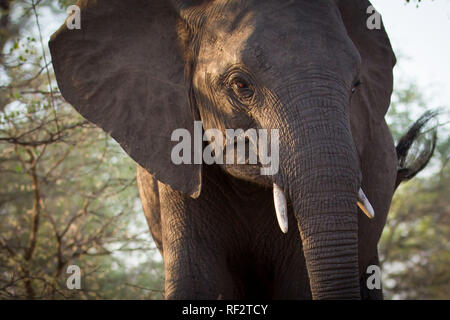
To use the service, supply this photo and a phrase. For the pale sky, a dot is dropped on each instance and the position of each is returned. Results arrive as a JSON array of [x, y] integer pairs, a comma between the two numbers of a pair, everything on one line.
[[421, 39]]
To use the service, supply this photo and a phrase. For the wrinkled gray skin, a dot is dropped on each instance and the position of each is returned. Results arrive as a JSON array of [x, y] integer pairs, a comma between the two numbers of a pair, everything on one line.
[[140, 69]]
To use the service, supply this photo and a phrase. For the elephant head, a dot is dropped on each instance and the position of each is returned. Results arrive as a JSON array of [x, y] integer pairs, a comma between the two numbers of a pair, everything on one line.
[[311, 69]]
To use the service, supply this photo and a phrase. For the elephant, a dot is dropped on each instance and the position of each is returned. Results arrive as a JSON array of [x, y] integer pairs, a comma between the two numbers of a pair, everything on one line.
[[312, 70]]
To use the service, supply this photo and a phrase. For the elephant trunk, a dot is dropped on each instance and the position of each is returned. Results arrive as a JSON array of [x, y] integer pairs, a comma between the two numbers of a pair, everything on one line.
[[322, 179]]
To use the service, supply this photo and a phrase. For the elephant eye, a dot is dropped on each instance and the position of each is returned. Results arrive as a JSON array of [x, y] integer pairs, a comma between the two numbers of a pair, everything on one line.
[[242, 89], [241, 84]]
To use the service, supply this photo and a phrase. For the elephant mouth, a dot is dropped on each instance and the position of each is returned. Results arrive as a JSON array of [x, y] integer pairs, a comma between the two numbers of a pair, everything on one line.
[[280, 203]]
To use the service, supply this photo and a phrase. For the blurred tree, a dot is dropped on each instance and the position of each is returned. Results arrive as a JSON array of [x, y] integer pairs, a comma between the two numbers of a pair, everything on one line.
[[415, 245], [67, 191]]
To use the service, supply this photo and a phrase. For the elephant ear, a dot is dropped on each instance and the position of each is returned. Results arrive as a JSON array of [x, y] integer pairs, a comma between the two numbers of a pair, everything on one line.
[[373, 97], [124, 71]]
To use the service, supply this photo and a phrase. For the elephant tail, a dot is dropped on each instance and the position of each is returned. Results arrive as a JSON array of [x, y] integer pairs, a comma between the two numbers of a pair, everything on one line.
[[416, 147]]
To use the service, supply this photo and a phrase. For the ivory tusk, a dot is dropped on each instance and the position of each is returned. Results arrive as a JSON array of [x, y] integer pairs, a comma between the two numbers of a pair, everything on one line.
[[279, 200], [364, 204]]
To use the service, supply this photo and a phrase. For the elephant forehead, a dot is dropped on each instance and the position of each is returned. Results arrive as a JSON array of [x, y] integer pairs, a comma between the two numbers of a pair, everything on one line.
[[223, 45], [302, 32]]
